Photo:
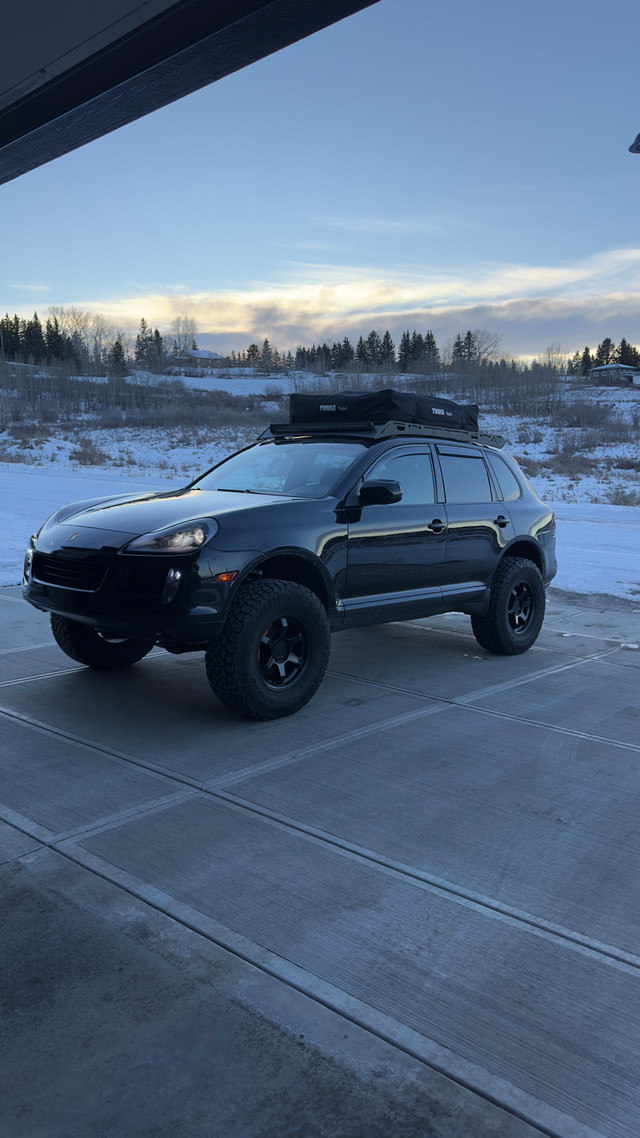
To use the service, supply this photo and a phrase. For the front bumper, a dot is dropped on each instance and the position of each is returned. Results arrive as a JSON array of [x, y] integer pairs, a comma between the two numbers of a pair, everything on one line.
[[173, 599]]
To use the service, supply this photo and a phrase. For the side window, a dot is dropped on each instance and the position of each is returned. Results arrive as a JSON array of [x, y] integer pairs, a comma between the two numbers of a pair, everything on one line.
[[506, 479], [414, 473], [466, 478]]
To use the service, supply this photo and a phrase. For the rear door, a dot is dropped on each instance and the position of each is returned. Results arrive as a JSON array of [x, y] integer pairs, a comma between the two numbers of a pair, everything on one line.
[[478, 525]]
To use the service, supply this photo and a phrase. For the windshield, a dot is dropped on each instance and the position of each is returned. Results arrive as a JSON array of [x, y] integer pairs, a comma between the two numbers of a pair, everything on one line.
[[294, 469]]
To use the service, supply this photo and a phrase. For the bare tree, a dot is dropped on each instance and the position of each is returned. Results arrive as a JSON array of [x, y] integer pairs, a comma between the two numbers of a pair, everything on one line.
[[101, 335], [555, 357], [487, 344], [184, 331], [72, 321]]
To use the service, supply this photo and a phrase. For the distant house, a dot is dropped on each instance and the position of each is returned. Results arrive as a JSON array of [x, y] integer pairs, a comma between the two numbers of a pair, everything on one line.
[[621, 375], [193, 357]]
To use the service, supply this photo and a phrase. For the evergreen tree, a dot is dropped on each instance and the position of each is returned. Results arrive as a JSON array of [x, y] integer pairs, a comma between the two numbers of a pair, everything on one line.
[[34, 349], [144, 344], [431, 353], [605, 353], [469, 349], [586, 361], [348, 352], [117, 359], [253, 354], [362, 353], [387, 351], [575, 364], [404, 351], [266, 355], [417, 348], [10, 337], [626, 354], [155, 359], [54, 341], [374, 348], [457, 355]]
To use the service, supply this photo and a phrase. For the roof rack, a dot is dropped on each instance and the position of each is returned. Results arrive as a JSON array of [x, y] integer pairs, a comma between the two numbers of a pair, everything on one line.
[[379, 431]]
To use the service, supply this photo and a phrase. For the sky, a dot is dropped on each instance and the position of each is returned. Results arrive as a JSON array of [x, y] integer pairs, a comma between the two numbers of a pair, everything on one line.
[[418, 165]]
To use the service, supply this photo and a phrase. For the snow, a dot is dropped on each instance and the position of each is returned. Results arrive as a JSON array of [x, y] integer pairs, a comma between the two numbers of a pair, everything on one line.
[[598, 546]]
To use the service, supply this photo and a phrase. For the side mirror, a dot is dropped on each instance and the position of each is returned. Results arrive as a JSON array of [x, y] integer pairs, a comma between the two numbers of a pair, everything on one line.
[[380, 492]]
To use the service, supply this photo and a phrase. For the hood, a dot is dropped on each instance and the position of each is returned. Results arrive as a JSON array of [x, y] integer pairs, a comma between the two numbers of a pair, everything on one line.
[[145, 513]]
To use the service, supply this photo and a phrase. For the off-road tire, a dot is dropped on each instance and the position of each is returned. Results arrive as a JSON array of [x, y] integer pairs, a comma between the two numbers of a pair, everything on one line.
[[272, 653], [87, 646], [516, 609]]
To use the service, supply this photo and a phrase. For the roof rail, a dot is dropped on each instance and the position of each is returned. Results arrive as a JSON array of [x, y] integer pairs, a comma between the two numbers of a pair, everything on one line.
[[391, 429]]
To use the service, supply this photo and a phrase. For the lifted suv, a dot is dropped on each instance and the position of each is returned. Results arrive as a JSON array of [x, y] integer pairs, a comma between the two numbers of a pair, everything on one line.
[[315, 528]]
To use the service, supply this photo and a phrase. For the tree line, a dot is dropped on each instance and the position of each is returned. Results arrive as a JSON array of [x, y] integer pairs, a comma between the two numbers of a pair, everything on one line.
[[86, 344], [605, 353]]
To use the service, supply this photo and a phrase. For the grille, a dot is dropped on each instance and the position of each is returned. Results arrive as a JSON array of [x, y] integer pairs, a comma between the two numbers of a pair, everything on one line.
[[68, 574]]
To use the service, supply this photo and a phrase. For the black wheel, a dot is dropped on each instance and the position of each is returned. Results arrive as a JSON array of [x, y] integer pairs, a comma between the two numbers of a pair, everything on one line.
[[272, 652], [516, 609], [90, 647]]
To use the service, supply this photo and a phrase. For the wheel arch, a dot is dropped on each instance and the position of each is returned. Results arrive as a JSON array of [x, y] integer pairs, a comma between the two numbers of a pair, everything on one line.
[[297, 566], [525, 548]]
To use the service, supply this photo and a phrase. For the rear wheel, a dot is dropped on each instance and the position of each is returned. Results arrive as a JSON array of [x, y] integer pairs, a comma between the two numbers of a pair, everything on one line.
[[516, 609], [87, 646], [272, 652]]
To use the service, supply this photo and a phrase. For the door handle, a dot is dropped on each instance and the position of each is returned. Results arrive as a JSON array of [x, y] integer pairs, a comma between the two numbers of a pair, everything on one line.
[[437, 526], [501, 521]]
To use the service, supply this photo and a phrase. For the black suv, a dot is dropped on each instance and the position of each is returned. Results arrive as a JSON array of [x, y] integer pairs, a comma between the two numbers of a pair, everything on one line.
[[318, 526]]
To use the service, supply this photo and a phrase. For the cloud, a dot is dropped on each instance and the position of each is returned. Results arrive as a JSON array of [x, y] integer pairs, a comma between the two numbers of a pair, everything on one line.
[[381, 225], [530, 304], [32, 287]]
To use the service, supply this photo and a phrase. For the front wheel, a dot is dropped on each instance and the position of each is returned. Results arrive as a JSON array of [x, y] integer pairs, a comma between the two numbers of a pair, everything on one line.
[[87, 646], [516, 609], [272, 652]]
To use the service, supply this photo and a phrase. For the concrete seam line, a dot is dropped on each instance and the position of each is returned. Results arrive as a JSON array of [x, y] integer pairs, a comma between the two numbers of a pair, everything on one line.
[[28, 647], [547, 1119], [604, 953], [108, 752]]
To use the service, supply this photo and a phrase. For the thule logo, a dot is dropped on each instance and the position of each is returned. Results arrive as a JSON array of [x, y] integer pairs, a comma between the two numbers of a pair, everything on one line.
[[328, 407]]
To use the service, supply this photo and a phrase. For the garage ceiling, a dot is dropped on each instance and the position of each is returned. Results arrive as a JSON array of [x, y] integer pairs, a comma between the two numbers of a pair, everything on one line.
[[73, 71]]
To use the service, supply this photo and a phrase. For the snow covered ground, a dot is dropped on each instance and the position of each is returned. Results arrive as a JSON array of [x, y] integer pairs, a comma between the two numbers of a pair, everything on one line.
[[598, 545]]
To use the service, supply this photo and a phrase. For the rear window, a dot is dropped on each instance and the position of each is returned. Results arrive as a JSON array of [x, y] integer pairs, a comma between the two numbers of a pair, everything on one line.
[[510, 488], [293, 469], [466, 478]]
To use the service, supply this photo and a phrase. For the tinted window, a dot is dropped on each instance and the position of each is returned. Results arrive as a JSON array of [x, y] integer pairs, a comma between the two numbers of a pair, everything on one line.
[[506, 479], [466, 478], [301, 470], [414, 473]]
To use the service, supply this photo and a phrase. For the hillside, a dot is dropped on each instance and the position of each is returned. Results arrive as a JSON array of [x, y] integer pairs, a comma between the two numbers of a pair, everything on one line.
[[577, 443]]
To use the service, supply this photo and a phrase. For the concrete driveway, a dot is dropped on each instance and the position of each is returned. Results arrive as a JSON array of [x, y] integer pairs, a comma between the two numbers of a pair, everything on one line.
[[411, 909]]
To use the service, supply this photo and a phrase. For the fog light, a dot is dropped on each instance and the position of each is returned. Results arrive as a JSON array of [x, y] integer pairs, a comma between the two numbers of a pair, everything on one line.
[[171, 586]]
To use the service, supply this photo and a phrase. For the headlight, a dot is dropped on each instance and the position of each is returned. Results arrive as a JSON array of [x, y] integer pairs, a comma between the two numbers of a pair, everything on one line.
[[28, 558], [179, 539]]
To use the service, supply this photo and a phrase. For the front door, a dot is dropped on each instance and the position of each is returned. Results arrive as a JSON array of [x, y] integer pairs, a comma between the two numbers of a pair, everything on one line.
[[395, 552]]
